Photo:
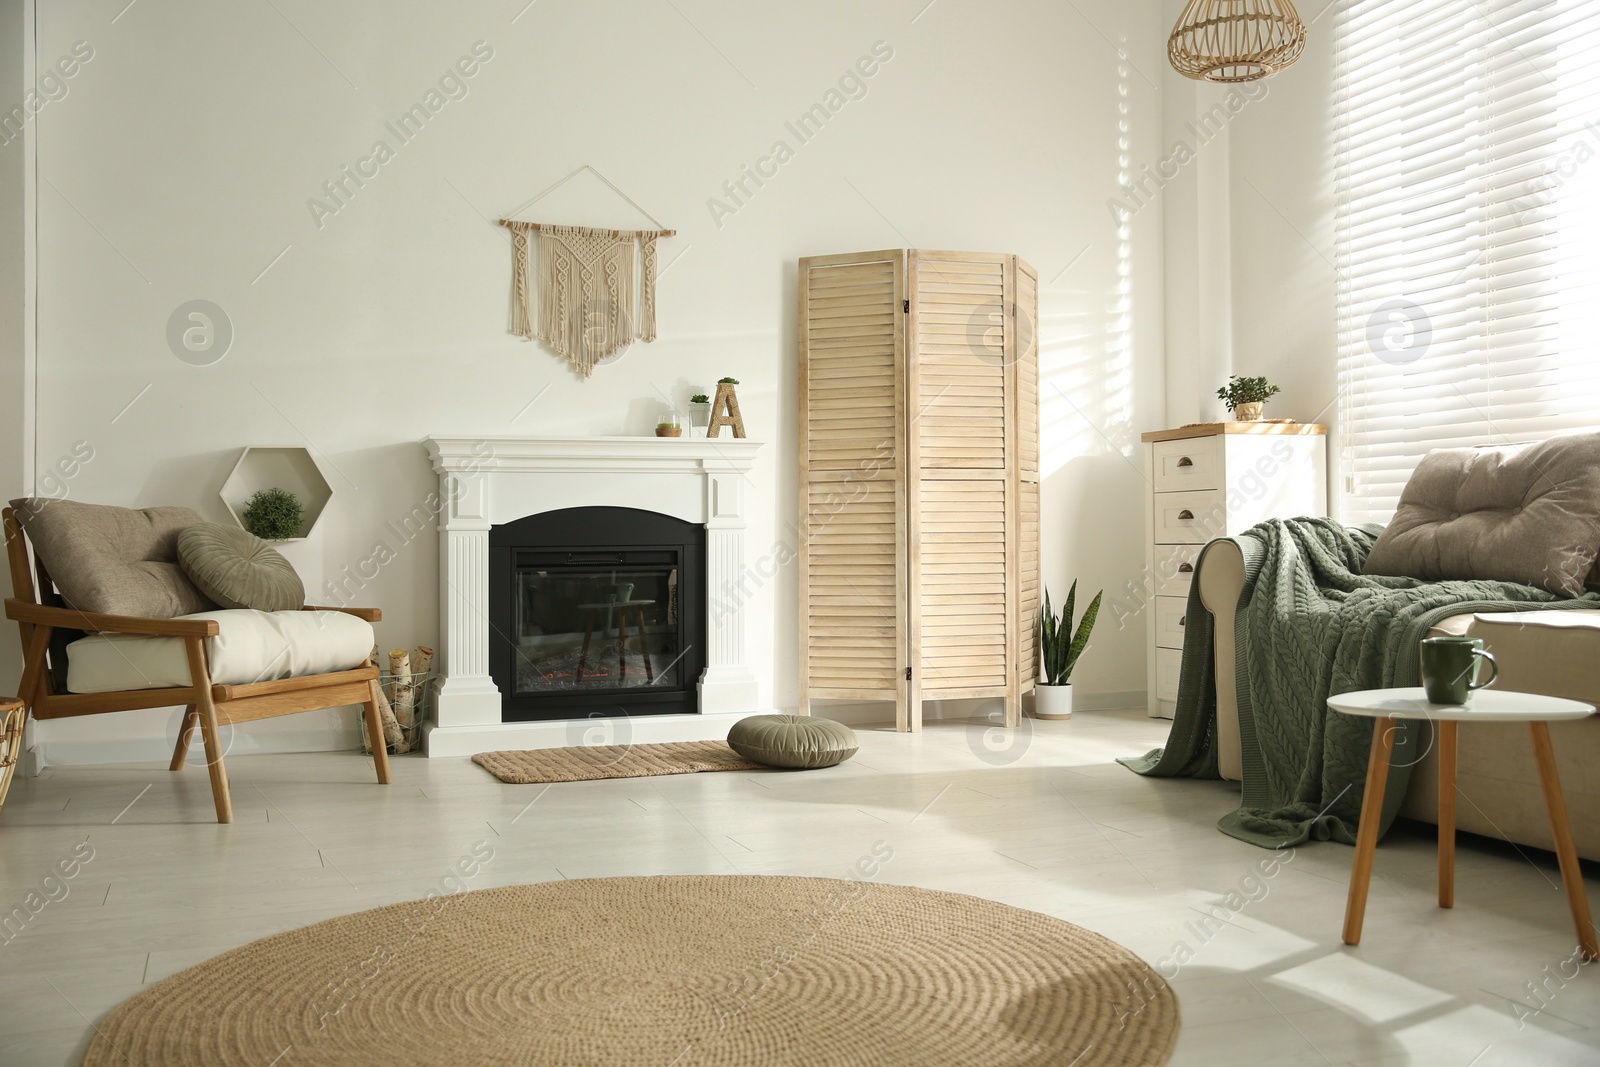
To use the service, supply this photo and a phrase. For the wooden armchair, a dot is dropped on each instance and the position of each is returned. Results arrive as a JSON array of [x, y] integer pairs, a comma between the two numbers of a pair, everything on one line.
[[208, 705]]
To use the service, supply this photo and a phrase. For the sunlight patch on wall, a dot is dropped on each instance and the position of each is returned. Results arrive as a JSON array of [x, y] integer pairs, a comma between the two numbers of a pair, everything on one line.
[[1086, 395]]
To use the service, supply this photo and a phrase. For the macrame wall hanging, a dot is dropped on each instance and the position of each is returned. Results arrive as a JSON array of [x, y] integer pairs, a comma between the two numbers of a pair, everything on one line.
[[595, 289]]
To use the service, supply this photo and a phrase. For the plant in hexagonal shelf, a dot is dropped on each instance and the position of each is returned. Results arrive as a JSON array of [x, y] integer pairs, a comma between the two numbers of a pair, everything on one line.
[[273, 514]]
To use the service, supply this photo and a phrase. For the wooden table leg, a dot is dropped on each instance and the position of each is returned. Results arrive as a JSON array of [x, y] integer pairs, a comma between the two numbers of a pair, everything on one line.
[[583, 656], [1447, 814], [644, 647], [1383, 731], [1566, 852], [622, 647]]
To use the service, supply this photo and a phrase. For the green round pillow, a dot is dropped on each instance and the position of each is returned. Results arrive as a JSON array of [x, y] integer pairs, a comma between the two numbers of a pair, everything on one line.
[[237, 569], [800, 742]]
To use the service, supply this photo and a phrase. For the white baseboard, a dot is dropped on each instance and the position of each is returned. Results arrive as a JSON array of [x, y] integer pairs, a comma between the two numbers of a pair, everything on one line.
[[1109, 701], [148, 737], [81, 753], [338, 731], [878, 712], [568, 733]]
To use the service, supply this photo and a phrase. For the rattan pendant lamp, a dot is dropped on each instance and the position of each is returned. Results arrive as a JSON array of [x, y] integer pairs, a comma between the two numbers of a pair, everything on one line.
[[1236, 40]]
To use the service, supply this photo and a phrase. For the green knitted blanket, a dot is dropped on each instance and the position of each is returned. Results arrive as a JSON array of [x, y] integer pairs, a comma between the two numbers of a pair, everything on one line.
[[1310, 625]]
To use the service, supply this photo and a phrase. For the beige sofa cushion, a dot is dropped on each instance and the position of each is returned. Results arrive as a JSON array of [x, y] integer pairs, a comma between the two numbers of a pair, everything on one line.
[[1528, 513], [1552, 653], [253, 646], [118, 561]]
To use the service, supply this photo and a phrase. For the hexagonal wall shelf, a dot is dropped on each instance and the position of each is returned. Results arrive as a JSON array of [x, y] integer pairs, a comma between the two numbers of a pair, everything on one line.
[[287, 467]]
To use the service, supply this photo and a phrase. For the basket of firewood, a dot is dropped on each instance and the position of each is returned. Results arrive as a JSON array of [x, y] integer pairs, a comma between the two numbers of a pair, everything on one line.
[[405, 692]]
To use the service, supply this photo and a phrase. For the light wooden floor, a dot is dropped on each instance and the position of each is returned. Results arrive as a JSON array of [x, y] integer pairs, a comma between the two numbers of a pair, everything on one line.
[[1052, 825]]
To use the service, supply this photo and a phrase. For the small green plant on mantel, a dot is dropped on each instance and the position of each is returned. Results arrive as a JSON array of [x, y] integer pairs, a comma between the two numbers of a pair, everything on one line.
[[700, 398], [273, 514], [1059, 644], [727, 381], [1242, 392]]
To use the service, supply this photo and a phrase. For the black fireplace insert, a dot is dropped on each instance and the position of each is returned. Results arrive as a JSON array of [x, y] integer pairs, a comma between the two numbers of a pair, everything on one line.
[[596, 611]]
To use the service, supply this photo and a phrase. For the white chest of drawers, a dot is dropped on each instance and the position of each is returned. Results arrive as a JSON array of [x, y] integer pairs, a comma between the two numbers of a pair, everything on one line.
[[1206, 481]]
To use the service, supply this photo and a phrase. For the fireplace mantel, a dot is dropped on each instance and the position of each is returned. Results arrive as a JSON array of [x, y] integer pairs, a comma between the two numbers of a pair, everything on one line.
[[486, 481]]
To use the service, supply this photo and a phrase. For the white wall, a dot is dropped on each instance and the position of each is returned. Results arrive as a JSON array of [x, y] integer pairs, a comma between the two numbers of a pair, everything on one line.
[[1281, 206], [181, 161], [16, 369], [1250, 277]]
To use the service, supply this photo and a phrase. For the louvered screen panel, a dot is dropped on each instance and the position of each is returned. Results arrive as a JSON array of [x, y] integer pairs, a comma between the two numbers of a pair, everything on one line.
[[852, 538], [958, 373], [962, 594], [1027, 344]]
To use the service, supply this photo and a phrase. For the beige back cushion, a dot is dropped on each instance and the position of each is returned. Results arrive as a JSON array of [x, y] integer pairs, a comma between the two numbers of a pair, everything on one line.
[[1520, 513], [117, 561]]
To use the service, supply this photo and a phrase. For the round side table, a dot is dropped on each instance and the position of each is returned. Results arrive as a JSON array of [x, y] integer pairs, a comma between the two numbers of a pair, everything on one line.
[[1487, 705], [13, 717]]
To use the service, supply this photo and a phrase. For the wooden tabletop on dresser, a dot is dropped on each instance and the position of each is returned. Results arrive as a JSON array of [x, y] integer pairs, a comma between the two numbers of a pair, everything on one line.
[[1210, 429]]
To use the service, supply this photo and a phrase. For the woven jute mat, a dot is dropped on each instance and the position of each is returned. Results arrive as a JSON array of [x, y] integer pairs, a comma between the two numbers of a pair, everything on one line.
[[646, 972], [583, 763]]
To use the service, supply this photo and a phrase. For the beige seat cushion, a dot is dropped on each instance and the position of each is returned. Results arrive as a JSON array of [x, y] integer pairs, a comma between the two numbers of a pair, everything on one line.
[[117, 561], [254, 646], [1521, 513]]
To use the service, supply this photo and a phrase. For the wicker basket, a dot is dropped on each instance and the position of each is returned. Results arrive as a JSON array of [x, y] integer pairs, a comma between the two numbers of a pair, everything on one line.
[[15, 714], [423, 706]]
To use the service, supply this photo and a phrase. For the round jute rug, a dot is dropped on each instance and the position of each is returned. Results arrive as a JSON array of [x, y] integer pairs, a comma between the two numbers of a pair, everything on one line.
[[652, 972]]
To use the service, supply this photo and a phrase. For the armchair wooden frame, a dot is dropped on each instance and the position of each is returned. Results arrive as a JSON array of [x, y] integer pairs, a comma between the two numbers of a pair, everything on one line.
[[208, 706]]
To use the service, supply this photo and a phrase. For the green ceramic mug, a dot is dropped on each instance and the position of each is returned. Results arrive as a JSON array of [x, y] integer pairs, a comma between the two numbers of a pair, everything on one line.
[[1450, 668]]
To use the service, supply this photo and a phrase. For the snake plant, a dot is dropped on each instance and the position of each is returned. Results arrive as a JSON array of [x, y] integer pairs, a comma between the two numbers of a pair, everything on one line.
[[1058, 644]]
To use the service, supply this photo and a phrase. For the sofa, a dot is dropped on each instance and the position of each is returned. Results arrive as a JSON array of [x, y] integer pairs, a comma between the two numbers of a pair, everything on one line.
[[1555, 653]]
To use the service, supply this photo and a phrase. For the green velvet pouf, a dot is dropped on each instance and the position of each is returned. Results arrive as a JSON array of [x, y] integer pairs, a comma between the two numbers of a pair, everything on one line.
[[798, 742]]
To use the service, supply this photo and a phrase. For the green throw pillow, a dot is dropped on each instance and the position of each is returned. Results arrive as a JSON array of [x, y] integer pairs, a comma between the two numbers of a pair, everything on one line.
[[238, 570]]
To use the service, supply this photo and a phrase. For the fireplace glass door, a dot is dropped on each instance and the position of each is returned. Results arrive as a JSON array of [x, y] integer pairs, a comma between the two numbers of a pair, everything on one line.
[[595, 623], [596, 611]]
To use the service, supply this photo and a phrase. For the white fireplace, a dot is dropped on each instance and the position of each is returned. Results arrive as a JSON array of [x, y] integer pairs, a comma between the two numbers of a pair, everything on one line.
[[489, 481]]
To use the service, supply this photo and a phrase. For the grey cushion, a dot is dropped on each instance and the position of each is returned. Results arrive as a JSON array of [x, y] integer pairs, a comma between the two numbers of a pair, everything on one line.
[[797, 741], [237, 569], [1528, 513], [119, 561]]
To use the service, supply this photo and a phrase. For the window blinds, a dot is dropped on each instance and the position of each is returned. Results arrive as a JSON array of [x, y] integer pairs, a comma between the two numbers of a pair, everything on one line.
[[1467, 230]]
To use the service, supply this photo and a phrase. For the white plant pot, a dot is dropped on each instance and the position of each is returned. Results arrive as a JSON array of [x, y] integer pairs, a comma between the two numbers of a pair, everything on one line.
[[1052, 701]]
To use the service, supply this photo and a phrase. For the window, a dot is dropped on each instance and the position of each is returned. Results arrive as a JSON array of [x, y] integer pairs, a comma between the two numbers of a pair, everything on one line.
[[1467, 227]]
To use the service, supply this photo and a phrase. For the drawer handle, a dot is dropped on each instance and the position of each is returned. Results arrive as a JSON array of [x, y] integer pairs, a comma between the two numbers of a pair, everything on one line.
[[1186, 568], [1185, 515], [1185, 462]]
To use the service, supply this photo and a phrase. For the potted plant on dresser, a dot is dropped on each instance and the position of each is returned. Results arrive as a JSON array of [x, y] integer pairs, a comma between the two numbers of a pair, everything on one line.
[[699, 414], [1246, 397], [1059, 649]]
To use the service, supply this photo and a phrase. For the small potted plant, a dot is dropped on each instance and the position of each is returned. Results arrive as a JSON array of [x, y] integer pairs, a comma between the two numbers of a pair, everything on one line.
[[699, 414], [273, 514], [1059, 649], [1246, 397], [669, 426]]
